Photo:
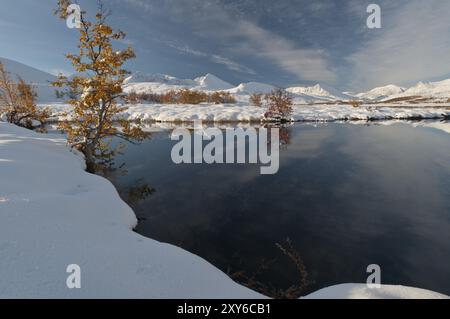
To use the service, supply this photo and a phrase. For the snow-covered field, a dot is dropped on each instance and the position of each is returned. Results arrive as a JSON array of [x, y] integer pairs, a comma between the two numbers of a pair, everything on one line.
[[53, 214], [247, 113]]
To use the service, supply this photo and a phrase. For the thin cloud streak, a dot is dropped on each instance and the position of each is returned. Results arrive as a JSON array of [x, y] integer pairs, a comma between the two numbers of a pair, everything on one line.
[[239, 37], [414, 45]]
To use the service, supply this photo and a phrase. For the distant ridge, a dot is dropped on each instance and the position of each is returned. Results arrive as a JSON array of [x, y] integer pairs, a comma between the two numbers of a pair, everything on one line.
[[40, 79], [159, 83]]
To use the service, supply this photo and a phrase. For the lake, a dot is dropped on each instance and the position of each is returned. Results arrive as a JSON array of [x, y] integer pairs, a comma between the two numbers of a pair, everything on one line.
[[346, 195]]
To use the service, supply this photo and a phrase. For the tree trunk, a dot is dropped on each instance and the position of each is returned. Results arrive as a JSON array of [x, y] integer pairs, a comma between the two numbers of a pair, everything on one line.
[[90, 159]]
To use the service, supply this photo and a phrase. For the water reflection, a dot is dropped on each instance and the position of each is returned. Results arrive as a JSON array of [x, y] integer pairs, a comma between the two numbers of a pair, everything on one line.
[[346, 195]]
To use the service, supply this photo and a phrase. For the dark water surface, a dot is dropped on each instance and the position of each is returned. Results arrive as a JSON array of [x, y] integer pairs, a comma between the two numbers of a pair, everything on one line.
[[346, 195]]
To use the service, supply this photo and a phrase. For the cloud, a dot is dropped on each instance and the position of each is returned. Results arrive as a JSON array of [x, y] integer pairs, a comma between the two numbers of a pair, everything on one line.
[[215, 58], [305, 64], [413, 45], [237, 36], [232, 65]]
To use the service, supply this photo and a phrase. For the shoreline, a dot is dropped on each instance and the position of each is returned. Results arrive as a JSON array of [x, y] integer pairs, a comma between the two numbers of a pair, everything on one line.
[[237, 114]]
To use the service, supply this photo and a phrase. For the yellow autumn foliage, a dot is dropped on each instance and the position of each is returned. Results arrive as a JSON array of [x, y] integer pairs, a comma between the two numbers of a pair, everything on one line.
[[95, 90], [18, 102]]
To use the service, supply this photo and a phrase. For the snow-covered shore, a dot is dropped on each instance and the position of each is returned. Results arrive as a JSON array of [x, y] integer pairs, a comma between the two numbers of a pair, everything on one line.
[[53, 214], [309, 113], [240, 113], [360, 291]]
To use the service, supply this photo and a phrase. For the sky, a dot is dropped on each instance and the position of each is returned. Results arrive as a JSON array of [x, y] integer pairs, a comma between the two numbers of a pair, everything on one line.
[[282, 42]]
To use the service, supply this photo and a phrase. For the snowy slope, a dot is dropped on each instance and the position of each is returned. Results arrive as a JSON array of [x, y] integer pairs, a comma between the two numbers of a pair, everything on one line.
[[428, 89], [54, 214], [318, 92], [252, 87], [381, 93], [40, 79], [210, 82], [140, 77], [160, 83]]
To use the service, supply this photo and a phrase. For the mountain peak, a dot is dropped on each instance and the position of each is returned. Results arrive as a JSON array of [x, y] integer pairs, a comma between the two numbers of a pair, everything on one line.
[[319, 90], [210, 82], [252, 87], [381, 92]]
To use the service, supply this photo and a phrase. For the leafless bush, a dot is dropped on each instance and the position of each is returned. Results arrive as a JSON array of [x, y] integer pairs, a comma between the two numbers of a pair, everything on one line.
[[295, 291], [132, 98]]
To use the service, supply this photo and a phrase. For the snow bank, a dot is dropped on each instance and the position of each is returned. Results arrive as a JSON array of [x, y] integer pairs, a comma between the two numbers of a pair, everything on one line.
[[245, 113], [53, 214], [361, 291]]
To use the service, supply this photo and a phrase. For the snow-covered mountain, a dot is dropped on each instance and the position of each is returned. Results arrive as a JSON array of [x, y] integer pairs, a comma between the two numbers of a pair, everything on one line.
[[40, 79], [381, 93], [210, 82], [140, 77], [318, 92], [251, 88], [160, 83], [439, 89]]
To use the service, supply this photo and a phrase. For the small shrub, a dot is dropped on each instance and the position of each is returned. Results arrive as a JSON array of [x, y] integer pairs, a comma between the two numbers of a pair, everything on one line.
[[279, 106], [18, 103], [169, 97], [256, 99], [132, 98], [222, 98], [354, 103], [186, 96], [150, 97]]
